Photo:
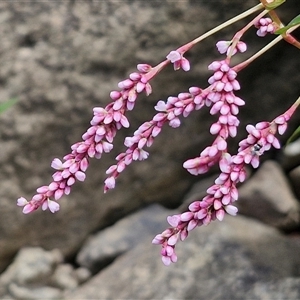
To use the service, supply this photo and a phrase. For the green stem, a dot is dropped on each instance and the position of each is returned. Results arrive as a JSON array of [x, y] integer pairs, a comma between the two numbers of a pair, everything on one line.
[[227, 23]]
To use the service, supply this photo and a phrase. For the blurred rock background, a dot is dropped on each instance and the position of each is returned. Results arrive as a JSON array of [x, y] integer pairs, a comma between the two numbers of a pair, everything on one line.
[[60, 59]]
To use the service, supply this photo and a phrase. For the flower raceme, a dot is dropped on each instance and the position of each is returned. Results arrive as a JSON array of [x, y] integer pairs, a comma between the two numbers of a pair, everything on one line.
[[221, 99], [96, 140], [222, 195]]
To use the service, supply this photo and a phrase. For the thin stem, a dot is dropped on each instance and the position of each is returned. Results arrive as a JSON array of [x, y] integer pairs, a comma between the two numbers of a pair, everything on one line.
[[245, 63], [227, 23], [241, 32]]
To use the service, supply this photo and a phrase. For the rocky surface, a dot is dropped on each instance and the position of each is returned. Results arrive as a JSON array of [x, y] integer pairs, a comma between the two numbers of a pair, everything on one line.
[[60, 59], [228, 260]]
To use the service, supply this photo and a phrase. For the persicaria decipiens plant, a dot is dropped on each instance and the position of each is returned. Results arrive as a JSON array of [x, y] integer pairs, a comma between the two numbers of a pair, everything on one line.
[[221, 99]]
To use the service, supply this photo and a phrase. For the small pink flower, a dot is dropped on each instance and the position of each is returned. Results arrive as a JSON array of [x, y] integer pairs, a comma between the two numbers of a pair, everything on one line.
[[265, 26], [225, 47], [178, 61]]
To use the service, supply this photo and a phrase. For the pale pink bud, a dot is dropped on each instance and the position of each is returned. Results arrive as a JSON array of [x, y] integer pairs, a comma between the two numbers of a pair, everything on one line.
[[124, 121], [53, 206], [166, 260], [110, 182], [22, 201], [217, 204], [80, 176], [115, 95], [173, 220], [220, 214], [222, 46], [215, 128], [187, 216], [28, 208], [57, 164], [185, 64], [58, 194], [144, 68], [241, 46], [231, 210], [160, 106], [194, 206], [42, 190], [173, 56], [158, 239], [175, 123], [173, 240], [125, 84], [53, 186], [111, 169], [71, 181], [192, 225]]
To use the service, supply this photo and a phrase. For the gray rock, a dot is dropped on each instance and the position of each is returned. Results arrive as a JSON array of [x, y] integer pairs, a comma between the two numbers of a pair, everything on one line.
[[294, 176], [267, 196], [238, 258], [30, 273], [103, 247], [64, 277], [45, 292], [31, 265], [290, 156], [62, 58]]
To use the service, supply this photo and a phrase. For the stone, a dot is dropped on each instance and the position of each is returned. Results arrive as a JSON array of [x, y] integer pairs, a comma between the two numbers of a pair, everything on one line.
[[31, 265], [62, 58], [234, 259], [267, 196], [294, 176], [48, 293], [102, 248], [290, 156], [64, 277]]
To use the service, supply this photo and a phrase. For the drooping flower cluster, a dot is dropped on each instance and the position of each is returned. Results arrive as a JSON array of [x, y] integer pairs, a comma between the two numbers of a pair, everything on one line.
[[220, 96], [222, 195], [222, 101], [95, 141]]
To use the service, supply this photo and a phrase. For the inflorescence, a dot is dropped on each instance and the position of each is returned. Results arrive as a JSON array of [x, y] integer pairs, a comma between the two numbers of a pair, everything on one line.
[[220, 96]]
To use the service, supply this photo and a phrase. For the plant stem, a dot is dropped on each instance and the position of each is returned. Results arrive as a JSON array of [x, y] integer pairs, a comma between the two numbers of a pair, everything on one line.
[[245, 63], [227, 23]]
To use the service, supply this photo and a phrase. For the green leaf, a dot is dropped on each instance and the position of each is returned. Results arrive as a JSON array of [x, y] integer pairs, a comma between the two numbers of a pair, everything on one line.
[[7, 104], [294, 22], [274, 4], [294, 136]]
